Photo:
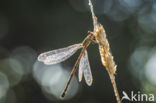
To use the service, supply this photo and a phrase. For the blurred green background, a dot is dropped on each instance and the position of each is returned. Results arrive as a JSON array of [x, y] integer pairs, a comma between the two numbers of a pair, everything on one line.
[[30, 27]]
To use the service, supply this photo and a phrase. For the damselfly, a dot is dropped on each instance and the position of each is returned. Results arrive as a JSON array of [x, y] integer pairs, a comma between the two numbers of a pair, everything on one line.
[[98, 36], [60, 55]]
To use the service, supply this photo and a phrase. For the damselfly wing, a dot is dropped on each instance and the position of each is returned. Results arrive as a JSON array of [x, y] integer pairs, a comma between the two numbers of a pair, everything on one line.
[[84, 69], [58, 55]]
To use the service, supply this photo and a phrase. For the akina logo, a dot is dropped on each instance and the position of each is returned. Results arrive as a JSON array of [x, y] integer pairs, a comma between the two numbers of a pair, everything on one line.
[[137, 97]]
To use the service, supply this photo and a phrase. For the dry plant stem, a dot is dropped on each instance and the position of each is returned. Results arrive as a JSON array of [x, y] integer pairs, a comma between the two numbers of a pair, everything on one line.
[[93, 15], [112, 78], [106, 56]]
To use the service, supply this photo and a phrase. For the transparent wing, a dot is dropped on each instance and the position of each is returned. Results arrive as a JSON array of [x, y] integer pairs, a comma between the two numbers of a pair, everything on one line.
[[81, 68], [84, 68], [58, 55]]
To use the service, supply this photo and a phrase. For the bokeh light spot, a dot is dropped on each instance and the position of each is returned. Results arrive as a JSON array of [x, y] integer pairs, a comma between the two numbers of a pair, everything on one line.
[[150, 69], [53, 79], [4, 86], [13, 70]]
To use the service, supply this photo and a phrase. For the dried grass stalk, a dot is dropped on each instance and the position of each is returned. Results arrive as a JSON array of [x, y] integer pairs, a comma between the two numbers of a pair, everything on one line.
[[104, 48]]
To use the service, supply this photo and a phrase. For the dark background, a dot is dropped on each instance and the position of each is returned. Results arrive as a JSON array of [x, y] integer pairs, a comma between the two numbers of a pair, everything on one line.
[[30, 27]]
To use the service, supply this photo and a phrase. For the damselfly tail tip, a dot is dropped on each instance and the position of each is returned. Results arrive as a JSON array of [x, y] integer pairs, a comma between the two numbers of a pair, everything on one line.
[[62, 95]]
